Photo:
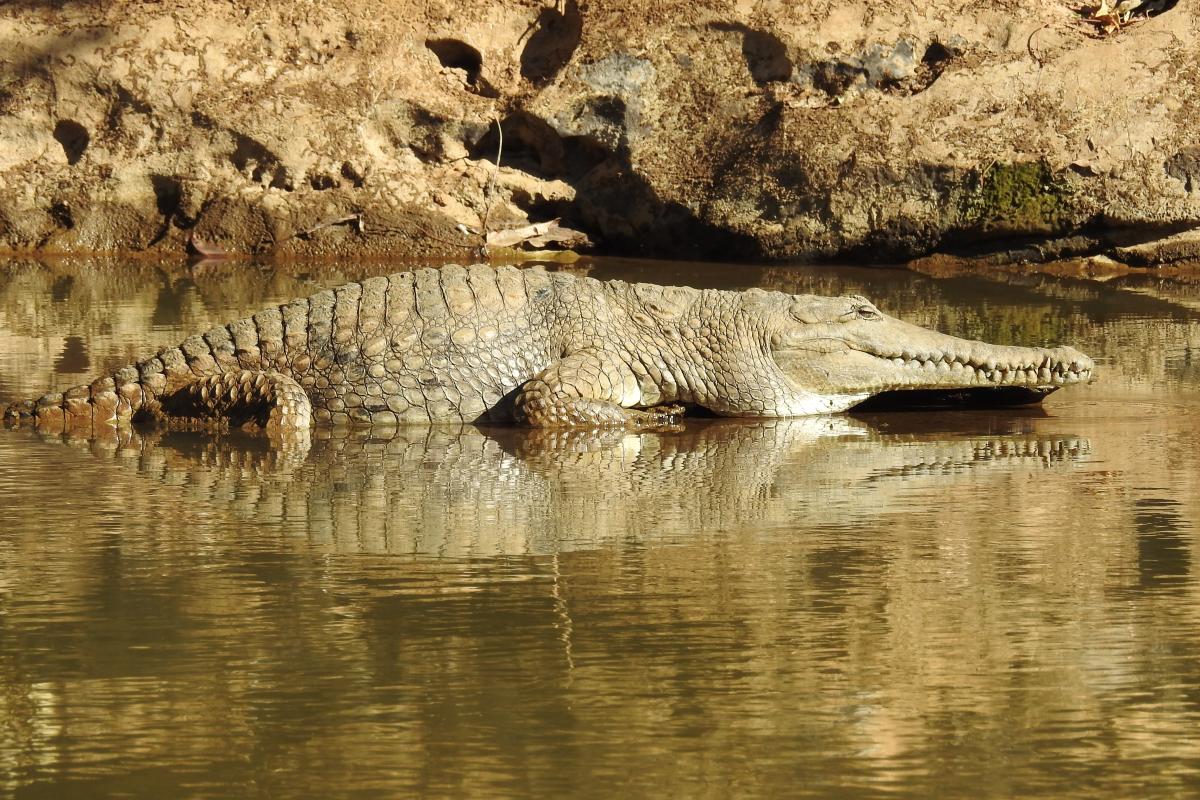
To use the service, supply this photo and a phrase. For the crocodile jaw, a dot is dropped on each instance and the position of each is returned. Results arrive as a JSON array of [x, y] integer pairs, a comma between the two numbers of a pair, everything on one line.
[[1034, 368], [885, 355]]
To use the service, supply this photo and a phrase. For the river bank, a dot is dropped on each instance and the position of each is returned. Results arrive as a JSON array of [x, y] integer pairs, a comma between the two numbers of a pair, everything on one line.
[[869, 131]]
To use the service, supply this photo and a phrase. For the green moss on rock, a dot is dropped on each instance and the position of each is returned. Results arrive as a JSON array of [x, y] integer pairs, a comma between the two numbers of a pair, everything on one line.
[[1021, 198]]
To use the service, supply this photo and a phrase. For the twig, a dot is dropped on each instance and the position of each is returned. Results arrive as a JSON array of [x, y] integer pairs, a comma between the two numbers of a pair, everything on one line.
[[490, 188], [983, 173], [440, 240], [305, 234], [1029, 45], [427, 234]]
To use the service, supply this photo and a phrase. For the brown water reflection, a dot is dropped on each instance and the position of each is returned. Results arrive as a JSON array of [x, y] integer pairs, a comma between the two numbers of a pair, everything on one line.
[[966, 604]]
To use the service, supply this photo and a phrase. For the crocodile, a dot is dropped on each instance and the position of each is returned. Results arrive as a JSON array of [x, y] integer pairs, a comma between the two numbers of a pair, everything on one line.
[[546, 349]]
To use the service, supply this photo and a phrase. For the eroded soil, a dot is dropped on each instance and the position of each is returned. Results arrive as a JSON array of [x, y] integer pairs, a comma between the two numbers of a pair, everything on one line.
[[877, 130]]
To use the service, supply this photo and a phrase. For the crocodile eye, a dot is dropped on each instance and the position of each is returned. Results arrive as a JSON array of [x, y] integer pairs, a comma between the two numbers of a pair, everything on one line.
[[867, 312]]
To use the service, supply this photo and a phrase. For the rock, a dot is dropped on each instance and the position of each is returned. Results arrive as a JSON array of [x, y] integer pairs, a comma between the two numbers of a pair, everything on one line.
[[1184, 246], [877, 130], [1184, 167]]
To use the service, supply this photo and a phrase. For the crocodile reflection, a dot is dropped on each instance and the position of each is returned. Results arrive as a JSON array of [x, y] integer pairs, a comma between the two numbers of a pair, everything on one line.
[[473, 492]]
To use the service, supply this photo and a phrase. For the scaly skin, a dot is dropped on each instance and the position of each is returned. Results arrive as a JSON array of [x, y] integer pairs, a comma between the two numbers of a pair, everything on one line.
[[548, 350]]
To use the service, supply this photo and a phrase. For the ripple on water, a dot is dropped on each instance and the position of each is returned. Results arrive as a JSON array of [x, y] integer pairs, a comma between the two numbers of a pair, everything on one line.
[[976, 604]]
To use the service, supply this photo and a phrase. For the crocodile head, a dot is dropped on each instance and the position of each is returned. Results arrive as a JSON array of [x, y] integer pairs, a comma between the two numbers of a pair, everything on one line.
[[845, 350]]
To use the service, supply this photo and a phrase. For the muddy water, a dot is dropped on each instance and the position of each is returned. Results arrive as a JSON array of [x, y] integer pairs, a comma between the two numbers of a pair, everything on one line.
[[959, 604]]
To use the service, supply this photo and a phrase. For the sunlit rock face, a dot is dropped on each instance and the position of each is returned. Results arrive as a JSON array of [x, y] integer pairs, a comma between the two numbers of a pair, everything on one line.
[[880, 130]]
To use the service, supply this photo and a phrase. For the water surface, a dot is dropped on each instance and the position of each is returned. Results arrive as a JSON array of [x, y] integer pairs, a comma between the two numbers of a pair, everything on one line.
[[971, 604]]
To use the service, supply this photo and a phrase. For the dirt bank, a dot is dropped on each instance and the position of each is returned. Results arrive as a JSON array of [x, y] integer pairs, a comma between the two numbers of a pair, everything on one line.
[[880, 130]]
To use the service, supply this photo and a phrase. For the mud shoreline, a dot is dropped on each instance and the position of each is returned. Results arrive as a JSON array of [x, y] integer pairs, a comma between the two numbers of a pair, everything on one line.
[[861, 131]]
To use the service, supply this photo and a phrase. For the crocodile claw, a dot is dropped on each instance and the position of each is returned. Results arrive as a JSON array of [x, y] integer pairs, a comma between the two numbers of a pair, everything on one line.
[[657, 418]]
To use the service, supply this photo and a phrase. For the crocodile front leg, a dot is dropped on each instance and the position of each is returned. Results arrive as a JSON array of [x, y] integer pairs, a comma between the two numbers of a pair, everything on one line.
[[247, 398], [588, 389]]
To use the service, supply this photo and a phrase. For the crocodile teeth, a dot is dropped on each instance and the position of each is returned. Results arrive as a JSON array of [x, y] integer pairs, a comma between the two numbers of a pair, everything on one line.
[[1037, 370]]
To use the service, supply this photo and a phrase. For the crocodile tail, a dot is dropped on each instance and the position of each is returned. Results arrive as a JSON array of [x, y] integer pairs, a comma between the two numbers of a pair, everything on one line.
[[105, 401], [251, 343]]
